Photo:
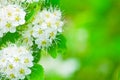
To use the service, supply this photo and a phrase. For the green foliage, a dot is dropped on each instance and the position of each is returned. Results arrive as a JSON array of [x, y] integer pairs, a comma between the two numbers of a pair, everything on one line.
[[58, 46], [99, 52], [53, 3], [9, 37], [36, 53], [31, 10], [37, 73]]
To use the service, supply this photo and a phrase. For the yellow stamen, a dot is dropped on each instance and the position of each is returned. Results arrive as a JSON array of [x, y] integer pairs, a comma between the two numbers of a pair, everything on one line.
[[11, 66], [57, 24], [47, 15], [40, 31], [12, 75], [3, 60], [49, 24], [52, 34], [40, 22], [16, 59], [8, 25], [26, 39], [21, 71], [26, 60], [9, 14], [17, 18], [44, 42]]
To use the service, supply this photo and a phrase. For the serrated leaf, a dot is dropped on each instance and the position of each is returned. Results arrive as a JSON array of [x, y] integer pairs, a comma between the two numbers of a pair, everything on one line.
[[37, 73]]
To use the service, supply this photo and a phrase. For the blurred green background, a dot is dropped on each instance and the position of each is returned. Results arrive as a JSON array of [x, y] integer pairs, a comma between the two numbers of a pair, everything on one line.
[[93, 42]]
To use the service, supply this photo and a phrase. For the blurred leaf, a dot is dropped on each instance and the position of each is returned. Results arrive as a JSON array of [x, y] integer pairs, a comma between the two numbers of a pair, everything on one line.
[[37, 73]]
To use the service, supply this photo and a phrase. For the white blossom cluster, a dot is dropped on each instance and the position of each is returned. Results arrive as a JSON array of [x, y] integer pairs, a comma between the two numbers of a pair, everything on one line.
[[6, 2], [11, 16], [15, 62], [29, 1], [44, 28]]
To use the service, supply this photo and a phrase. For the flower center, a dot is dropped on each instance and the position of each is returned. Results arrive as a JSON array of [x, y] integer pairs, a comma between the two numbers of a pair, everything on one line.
[[21, 71]]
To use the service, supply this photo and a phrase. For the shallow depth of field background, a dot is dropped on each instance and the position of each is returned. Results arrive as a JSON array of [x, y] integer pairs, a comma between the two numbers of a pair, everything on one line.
[[92, 30]]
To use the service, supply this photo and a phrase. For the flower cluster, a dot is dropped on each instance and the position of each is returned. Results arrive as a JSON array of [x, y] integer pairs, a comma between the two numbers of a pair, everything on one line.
[[6, 2], [29, 1], [11, 16], [35, 29], [15, 62], [45, 27]]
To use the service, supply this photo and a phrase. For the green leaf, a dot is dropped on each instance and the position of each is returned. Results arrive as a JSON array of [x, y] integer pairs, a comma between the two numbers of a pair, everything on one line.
[[36, 53], [9, 37], [37, 73], [52, 50], [32, 10], [61, 41], [54, 3], [58, 46]]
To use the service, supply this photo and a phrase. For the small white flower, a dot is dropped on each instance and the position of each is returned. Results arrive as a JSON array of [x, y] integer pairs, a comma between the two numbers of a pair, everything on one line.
[[37, 31], [52, 34], [29, 1], [28, 41], [27, 38], [42, 42], [11, 16], [15, 62], [6, 2], [46, 25]]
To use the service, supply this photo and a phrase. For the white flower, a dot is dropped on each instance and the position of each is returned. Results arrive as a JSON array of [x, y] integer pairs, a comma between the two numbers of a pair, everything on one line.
[[58, 24], [27, 38], [46, 25], [29, 1], [57, 14], [11, 16], [32, 0], [42, 42], [15, 62], [52, 34], [37, 31], [6, 2]]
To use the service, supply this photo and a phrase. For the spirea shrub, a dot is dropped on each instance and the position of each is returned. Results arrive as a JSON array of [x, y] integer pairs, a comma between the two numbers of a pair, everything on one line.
[[27, 28]]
